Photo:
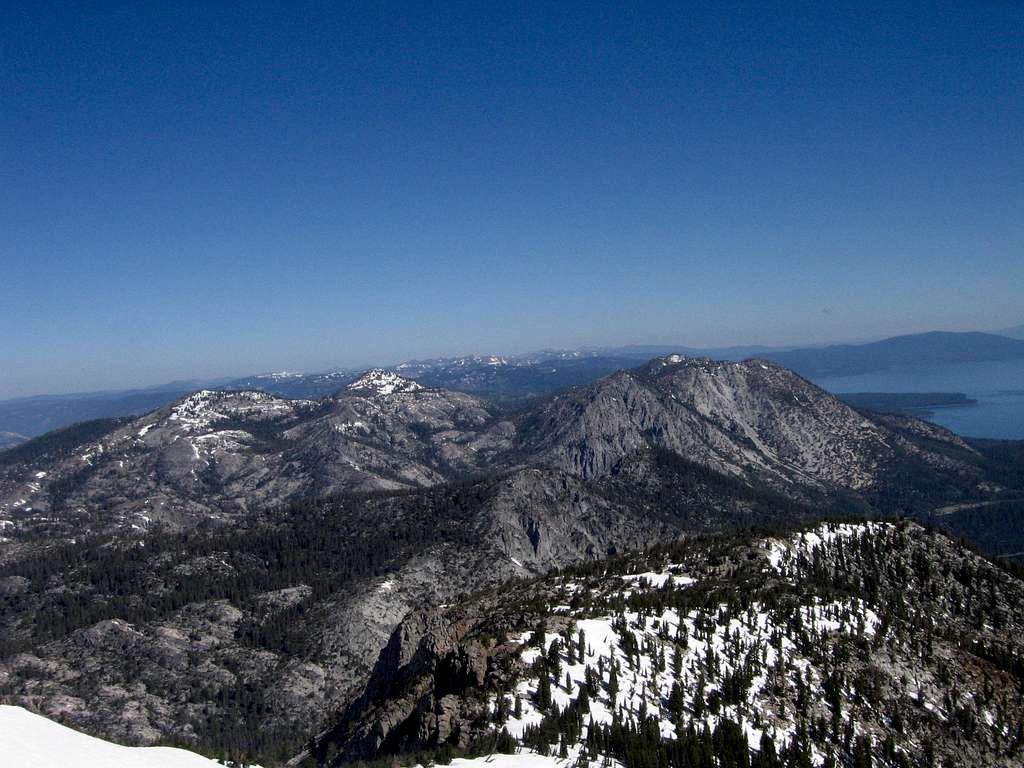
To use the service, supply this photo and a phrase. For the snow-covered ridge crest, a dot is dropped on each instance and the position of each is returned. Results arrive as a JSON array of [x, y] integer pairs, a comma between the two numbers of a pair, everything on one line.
[[280, 375], [785, 552], [200, 409], [381, 382], [859, 649]]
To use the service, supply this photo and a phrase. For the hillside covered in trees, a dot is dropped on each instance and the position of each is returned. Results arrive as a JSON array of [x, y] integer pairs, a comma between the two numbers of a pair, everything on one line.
[[856, 644]]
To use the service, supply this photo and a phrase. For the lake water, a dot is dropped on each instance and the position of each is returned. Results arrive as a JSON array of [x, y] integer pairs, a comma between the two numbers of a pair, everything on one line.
[[997, 386]]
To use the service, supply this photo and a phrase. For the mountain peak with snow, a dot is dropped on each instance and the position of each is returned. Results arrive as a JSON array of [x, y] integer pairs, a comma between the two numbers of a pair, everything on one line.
[[380, 382]]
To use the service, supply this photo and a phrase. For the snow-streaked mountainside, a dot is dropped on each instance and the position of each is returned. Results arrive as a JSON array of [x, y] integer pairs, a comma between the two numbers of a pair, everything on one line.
[[217, 455], [380, 382], [224, 571], [822, 646], [823, 642], [28, 740]]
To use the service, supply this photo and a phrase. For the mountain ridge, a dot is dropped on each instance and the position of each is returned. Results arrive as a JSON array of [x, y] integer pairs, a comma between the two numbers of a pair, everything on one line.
[[510, 377], [292, 536], [819, 644], [217, 455], [932, 348]]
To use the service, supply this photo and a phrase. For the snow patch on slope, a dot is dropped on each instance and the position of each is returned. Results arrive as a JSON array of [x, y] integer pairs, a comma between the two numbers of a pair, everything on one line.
[[528, 759], [650, 652], [381, 382], [781, 552]]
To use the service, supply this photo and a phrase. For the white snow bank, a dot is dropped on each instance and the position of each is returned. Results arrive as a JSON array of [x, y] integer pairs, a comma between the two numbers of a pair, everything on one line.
[[657, 580], [524, 759], [30, 741]]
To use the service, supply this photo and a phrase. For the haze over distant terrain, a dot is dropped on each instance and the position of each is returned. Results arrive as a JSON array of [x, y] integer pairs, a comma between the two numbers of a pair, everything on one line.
[[537, 373]]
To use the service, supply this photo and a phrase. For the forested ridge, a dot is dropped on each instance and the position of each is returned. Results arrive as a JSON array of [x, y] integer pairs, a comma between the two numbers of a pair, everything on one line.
[[853, 644]]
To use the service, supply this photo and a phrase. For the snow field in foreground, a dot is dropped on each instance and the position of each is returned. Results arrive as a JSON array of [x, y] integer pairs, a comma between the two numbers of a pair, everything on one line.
[[28, 740]]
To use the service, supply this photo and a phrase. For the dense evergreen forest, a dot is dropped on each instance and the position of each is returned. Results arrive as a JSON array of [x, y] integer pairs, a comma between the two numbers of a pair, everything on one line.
[[59, 443], [324, 543]]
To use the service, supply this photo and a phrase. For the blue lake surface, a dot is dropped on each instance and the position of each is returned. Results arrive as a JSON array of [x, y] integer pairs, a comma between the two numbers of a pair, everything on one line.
[[997, 386]]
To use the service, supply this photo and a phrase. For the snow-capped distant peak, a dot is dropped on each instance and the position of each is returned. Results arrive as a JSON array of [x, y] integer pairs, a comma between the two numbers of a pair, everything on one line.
[[280, 375], [382, 382]]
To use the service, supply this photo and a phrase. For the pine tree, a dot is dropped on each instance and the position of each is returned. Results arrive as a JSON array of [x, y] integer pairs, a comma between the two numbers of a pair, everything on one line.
[[676, 702], [698, 699], [505, 743], [544, 689], [583, 699], [554, 658], [613, 683], [540, 637], [767, 756]]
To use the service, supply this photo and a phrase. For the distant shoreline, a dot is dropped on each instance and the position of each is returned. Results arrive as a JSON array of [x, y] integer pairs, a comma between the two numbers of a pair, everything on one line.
[[906, 403]]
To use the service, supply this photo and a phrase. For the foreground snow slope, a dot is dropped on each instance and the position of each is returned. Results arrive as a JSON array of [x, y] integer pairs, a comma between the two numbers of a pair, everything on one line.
[[28, 740]]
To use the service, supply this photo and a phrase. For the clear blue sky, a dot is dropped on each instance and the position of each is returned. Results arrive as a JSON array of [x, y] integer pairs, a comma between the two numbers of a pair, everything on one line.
[[215, 189]]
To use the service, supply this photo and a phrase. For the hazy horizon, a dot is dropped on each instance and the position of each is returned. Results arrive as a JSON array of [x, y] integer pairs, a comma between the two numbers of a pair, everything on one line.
[[219, 190], [139, 383]]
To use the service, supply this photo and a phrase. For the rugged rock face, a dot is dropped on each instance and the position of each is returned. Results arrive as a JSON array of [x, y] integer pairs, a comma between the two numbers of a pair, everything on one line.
[[835, 641], [414, 697], [749, 419], [221, 455]]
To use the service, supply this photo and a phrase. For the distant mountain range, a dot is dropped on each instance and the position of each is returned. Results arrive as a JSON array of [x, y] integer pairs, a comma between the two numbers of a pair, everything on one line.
[[1015, 332], [514, 377], [219, 454], [935, 348]]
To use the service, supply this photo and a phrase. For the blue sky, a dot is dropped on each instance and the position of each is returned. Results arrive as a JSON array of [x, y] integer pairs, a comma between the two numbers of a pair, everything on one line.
[[215, 189]]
